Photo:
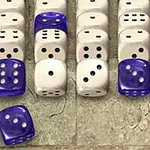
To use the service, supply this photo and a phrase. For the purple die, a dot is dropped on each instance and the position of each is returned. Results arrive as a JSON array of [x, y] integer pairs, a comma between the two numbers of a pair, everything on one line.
[[134, 77], [16, 125], [50, 20], [12, 77]]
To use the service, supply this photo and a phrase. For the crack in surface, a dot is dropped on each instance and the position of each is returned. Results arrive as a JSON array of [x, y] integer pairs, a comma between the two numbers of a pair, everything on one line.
[[59, 113]]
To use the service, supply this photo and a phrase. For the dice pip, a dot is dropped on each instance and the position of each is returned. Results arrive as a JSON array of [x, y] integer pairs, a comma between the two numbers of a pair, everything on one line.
[[16, 125], [52, 80], [134, 77], [12, 77], [92, 78], [50, 20]]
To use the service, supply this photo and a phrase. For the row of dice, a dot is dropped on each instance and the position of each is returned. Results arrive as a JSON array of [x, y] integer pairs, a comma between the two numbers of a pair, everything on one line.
[[50, 30], [12, 49], [133, 47], [92, 48]]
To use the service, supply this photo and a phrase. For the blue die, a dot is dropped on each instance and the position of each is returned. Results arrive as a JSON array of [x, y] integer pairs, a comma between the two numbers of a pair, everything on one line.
[[134, 77], [16, 125], [12, 77], [50, 20]]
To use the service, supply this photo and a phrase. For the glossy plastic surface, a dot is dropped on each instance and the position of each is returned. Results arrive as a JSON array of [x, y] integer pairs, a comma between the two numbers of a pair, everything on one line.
[[134, 77], [16, 125], [12, 77], [50, 20]]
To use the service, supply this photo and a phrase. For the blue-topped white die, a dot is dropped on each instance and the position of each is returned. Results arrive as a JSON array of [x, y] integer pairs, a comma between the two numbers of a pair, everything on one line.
[[16, 125], [50, 20]]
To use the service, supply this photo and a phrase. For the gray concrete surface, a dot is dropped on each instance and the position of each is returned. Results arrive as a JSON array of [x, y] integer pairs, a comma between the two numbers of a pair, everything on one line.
[[72, 122]]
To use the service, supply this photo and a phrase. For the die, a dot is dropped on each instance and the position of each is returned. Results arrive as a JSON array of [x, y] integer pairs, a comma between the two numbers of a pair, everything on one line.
[[12, 44], [134, 77], [42, 6], [50, 43], [92, 20], [133, 20], [92, 5], [50, 20], [133, 43], [136, 6], [92, 44], [12, 77], [12, 20], [52, 80], [92, 78], [13, 6], [16, 125]]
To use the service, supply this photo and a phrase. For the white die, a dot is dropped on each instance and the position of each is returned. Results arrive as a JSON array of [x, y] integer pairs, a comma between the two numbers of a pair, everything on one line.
[[12, 43], [92, 78], [134, 20], [50, 78], [42, 6], [92, 5], [92, 43], [50, 43], [133, 43], [12, 6], [94, 20], [126, 6], [12, 20]]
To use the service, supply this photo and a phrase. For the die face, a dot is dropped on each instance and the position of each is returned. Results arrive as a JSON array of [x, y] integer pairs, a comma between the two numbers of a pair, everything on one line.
[[134, 35], [92, 44], [12, 36], [50, 20], [11, 51], [133, 43], [42, 6], [48, 82], [92, 20], [12, 6], [128, 6], [88, 5], [133, 50], [134, 20], [12, 20], [12, 77], [50, 44], [92, 78], [16, 125], [134, 77]]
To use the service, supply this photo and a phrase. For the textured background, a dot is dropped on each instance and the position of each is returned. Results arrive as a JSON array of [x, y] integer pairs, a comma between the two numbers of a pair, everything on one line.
[[72, 122]]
